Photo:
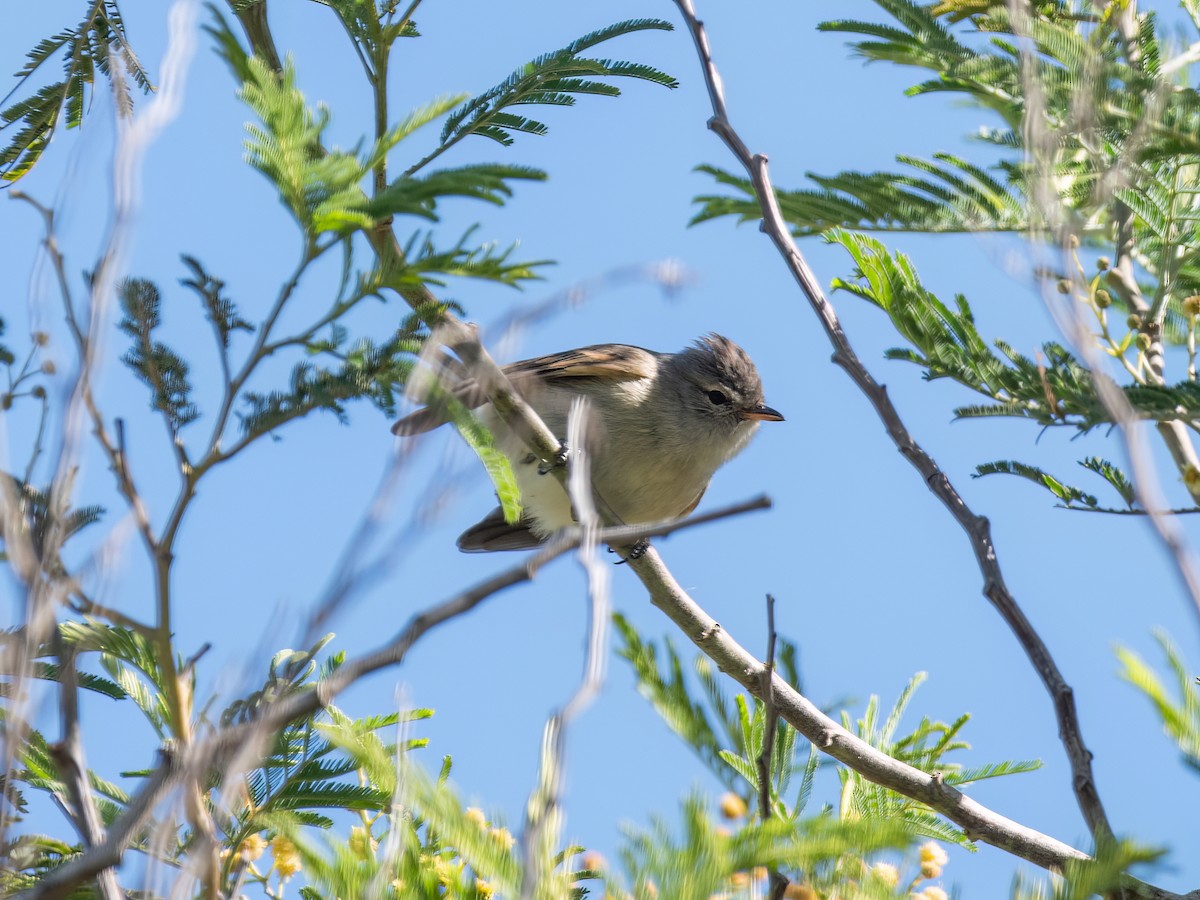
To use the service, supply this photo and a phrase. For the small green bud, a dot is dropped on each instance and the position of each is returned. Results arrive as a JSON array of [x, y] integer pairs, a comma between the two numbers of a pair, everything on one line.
[[41, 338], [1103, 263], [1063, 286], [1134, 321], [1073, 241], [1144, 342], [48, 367], [1103, 299], [38, 392], [6, 401]]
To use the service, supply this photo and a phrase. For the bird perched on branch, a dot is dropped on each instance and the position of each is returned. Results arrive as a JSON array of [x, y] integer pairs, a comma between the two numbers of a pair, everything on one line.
[[660, 425]]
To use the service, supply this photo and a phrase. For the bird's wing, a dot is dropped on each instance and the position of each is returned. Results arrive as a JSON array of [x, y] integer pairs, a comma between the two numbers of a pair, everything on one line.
[[603, 362], [493, 533]]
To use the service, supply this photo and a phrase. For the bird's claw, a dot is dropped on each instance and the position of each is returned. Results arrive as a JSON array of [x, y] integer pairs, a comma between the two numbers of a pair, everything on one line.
[[636, 551], [559, 460]]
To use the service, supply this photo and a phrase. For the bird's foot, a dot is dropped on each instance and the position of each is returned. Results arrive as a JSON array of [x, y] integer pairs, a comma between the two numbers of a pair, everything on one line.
[[636, 551], [559, 460]]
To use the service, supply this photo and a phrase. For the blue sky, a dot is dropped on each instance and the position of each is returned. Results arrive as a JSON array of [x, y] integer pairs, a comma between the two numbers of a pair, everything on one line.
[[873, 579]]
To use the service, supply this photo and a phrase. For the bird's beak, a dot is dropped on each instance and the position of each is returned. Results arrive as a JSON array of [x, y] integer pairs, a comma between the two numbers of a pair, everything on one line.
[[761, 413]]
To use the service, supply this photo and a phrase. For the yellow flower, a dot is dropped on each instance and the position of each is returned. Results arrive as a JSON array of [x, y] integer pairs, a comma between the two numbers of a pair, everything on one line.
[[933, 892], [361, 843], [252, 847], [732, 806], [759, 873], [933, 857], [503, 836], [443, 871], [484, 889], [887, 873], [475, 815], [799, 892], [593, 860], [739, 880], [287, 857]]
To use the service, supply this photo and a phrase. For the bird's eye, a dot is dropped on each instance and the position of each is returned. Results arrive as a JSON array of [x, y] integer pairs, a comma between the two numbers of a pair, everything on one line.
[[717, 398]]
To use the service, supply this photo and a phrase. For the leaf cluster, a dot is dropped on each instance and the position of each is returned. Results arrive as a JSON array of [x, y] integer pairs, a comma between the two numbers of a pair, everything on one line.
[[728, 735], [94, 44], [159, 367], [43, 529], [926, 748], [365, 369], [1177, 706], [1071, 497], [713, 725], [1134, 149], [220, 310], [1054, 390], [706, 860], [552, 79]]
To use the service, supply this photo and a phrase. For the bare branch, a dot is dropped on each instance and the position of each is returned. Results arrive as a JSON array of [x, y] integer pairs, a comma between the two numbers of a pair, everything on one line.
[[975, 526], [979, 822]]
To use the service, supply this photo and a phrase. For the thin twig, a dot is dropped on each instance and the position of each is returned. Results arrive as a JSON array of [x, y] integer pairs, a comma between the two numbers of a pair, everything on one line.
[[976, 527], [778, 882]]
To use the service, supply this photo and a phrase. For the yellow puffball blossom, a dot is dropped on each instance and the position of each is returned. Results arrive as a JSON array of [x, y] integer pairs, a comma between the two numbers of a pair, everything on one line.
[[252, 848], [443, 871], [732, 806], [799, 892], [503, 836], [740, 880], [759, 873], [361, 844], [651, 890], [887, 873], [933, 892], [593, 860], [287, 857], [484, 889], [475, 816], [933, 857]]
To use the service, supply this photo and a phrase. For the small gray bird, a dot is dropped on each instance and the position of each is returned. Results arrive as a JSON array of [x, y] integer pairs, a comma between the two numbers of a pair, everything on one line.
[[661, 424]]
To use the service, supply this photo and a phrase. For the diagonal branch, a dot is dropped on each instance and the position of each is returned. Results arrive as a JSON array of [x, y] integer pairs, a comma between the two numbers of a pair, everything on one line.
[[976, 527], [978, 822]]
